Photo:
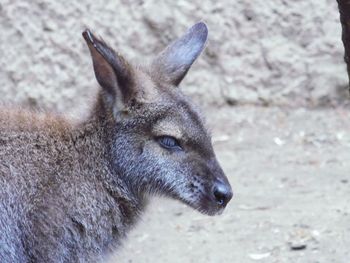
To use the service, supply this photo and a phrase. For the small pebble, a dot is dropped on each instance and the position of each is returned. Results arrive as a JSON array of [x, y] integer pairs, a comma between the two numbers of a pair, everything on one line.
[[297, 246]]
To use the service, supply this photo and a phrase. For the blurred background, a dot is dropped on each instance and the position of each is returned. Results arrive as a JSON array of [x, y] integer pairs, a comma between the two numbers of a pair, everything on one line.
[[273, 85]]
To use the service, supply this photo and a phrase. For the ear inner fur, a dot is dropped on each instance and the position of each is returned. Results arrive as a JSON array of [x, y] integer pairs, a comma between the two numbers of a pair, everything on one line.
[[112, 71], [173, 63]]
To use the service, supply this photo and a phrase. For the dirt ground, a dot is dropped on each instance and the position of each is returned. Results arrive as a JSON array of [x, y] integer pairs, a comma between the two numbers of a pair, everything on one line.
[[289, 169]]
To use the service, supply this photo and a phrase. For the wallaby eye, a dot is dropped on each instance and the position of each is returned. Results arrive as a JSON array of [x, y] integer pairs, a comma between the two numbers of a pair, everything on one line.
[[169, 143]]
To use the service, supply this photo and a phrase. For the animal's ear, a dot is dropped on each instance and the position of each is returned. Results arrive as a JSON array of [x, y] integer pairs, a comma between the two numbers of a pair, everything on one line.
[[173, 63], [112, 72]]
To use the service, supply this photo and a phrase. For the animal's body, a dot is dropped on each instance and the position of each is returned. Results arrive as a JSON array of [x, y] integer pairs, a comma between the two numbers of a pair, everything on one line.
[[69, 192]]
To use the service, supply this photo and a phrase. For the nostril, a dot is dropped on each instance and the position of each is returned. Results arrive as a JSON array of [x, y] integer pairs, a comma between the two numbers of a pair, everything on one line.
[[220, 197], [222, 194]]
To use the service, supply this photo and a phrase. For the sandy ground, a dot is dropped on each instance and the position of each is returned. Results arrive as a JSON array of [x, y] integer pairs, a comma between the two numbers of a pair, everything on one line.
[[290, 172]]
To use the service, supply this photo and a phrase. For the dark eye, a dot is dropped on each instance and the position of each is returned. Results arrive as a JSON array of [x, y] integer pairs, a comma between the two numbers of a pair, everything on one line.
[[169, 142]]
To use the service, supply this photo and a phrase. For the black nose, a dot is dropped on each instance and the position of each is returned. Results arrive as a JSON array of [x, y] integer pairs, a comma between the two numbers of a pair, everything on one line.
[[222, 193]]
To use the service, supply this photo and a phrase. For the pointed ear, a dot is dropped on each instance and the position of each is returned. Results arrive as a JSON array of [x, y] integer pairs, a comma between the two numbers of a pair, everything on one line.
[[173, 63], [112, 72]]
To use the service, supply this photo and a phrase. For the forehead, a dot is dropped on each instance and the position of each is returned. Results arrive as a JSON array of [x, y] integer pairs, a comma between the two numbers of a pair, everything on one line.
[[182, 120], [176, 116]]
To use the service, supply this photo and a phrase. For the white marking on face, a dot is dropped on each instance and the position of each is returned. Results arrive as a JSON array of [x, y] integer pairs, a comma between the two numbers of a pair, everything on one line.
[[167, 128]]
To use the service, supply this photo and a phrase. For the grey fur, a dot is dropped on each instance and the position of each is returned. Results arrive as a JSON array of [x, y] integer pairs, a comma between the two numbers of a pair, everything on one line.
[[70, 192]]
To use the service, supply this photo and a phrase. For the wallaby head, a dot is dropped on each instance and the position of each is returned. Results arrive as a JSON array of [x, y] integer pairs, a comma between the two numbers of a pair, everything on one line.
[[157, 140]]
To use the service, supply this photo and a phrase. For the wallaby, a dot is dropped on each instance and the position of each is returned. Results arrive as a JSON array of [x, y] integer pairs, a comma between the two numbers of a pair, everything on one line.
[[69, 192]]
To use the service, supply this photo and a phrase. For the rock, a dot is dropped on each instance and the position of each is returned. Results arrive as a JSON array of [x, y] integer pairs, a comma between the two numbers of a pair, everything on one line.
[[297, 245]]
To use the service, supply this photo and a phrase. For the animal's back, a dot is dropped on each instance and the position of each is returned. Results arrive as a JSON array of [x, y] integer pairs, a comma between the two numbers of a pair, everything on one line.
[[31, 148], [53, 205], [26, 170]]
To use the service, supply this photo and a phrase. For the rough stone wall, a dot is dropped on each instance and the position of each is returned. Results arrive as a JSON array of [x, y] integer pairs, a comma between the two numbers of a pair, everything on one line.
[[259, 52]]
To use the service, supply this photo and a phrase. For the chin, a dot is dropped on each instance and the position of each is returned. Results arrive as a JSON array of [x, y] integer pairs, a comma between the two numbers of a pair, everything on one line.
[[205, 206], [210, 211]]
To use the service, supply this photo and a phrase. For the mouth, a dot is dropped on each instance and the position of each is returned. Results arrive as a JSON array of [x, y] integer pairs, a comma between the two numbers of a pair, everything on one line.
[[208, 204]]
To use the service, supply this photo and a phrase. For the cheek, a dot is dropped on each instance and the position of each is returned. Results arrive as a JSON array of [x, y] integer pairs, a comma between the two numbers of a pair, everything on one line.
[[153, 160], [158, 153], [152, 152], [165, 163], [152, 148]]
